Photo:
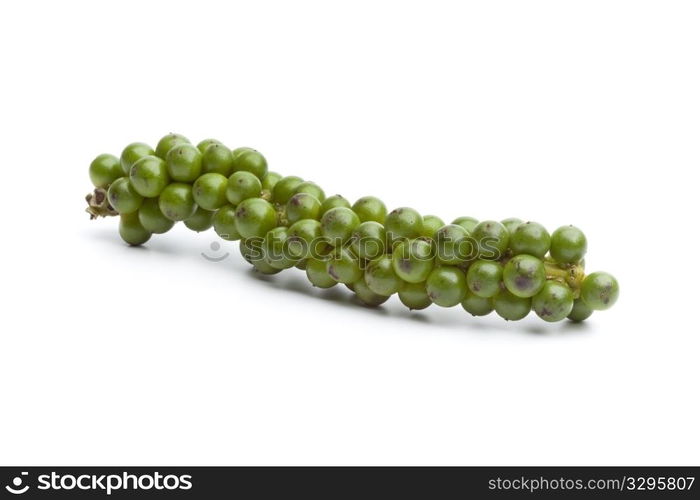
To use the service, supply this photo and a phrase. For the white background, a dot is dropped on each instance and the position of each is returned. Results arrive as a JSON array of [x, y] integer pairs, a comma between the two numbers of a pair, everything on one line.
[[560, 112]]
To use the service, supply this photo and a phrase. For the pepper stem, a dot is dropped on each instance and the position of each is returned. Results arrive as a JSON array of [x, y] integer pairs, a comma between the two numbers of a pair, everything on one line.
[[98, 205], [571, 274]]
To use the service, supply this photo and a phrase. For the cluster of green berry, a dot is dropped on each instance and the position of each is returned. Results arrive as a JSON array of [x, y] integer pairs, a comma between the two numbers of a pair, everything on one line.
[[512, 267]]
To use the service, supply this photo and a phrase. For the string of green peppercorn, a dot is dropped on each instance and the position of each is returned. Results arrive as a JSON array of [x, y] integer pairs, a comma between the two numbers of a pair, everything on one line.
[[512, 267]]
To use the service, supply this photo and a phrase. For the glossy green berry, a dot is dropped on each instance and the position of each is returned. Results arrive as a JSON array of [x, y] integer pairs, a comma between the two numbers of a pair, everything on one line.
[[568, 245], [284, 189], [530, 238], [368, 240], [311, 188], [317, 273], [446, 286], [511, 307], [511, 224], [104, 170], [131, 230], [123, 197], [204, 144], [381, 278], [209, 191], [241, 150], [177, 202], [132, 153], [251, 250], [431, 224], [414, 296], [468, 223], [338, 224], [580, 311], [403, 224], [218, 159], [201, 220], [275, 249], [241, 186], [599, 291], [332, 202], [302, 206], [343, 266], [491, 238], [249, 160], [255, 217], [367, 296], [475, 305], [305, 239], [152, 219], [184, 163], [554, 302], [453, 245], [370, 208], [484, 278], [264, 268], [413, 260], [270, 180], [225, 223], [166, 143], [524, 275], [149, 176]]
